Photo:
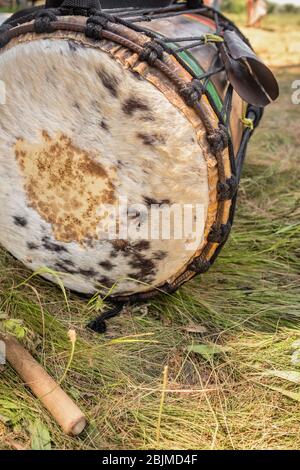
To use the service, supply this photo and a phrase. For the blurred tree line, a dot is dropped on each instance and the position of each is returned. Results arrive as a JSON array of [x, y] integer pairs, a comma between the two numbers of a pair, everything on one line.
[[239, 6]]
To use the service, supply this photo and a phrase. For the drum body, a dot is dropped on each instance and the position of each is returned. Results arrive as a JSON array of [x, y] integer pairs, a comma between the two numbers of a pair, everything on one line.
[[92, 138]]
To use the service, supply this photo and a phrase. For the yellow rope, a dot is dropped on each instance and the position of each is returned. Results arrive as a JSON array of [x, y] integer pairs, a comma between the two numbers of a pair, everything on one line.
[[212, 38], [247, 122]]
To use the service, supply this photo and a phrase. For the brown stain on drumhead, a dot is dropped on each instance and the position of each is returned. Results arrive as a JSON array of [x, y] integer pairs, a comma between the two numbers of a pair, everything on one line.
[[65, 185]]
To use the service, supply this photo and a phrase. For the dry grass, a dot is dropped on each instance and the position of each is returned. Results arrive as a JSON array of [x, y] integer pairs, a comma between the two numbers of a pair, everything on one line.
[[248, 304]]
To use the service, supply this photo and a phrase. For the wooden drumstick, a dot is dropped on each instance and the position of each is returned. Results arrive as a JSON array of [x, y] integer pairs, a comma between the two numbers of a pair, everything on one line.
[[57, 402]]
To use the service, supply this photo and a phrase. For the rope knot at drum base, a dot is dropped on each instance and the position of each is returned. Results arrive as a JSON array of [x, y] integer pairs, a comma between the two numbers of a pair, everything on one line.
[[152, 51], [227, 189], [95, 25], [218, 139], [199, 265], [43, 21], [191, 92], [219, 233], [169, 288]]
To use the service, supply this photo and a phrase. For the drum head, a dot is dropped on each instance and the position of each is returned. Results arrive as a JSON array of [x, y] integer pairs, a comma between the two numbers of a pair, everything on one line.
[[84, 137]]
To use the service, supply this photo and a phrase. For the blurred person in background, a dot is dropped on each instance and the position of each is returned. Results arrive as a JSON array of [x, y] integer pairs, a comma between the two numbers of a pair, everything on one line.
[[256, 10], [216, 4]]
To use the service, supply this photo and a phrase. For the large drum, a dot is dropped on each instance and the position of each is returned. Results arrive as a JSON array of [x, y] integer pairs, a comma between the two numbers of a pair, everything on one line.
[[122, 136]]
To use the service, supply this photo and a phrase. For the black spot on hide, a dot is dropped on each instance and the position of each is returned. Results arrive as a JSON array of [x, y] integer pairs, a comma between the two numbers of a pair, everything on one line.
[[50, 246], [20, 221]]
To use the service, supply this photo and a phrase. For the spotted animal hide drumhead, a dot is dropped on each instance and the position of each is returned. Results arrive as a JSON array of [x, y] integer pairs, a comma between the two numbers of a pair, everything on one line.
[[82, 136]]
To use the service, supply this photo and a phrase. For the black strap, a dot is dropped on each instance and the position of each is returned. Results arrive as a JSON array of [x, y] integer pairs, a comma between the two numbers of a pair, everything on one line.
[[191, 4], [53, 3], [98, 324], [79, 7], [111, 4]]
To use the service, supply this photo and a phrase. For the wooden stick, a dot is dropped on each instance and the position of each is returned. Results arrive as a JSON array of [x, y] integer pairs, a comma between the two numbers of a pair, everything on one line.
[[57, 402]]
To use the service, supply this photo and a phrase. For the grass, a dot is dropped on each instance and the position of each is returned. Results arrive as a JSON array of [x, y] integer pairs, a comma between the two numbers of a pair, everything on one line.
[[214, 366], [8, 9]]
